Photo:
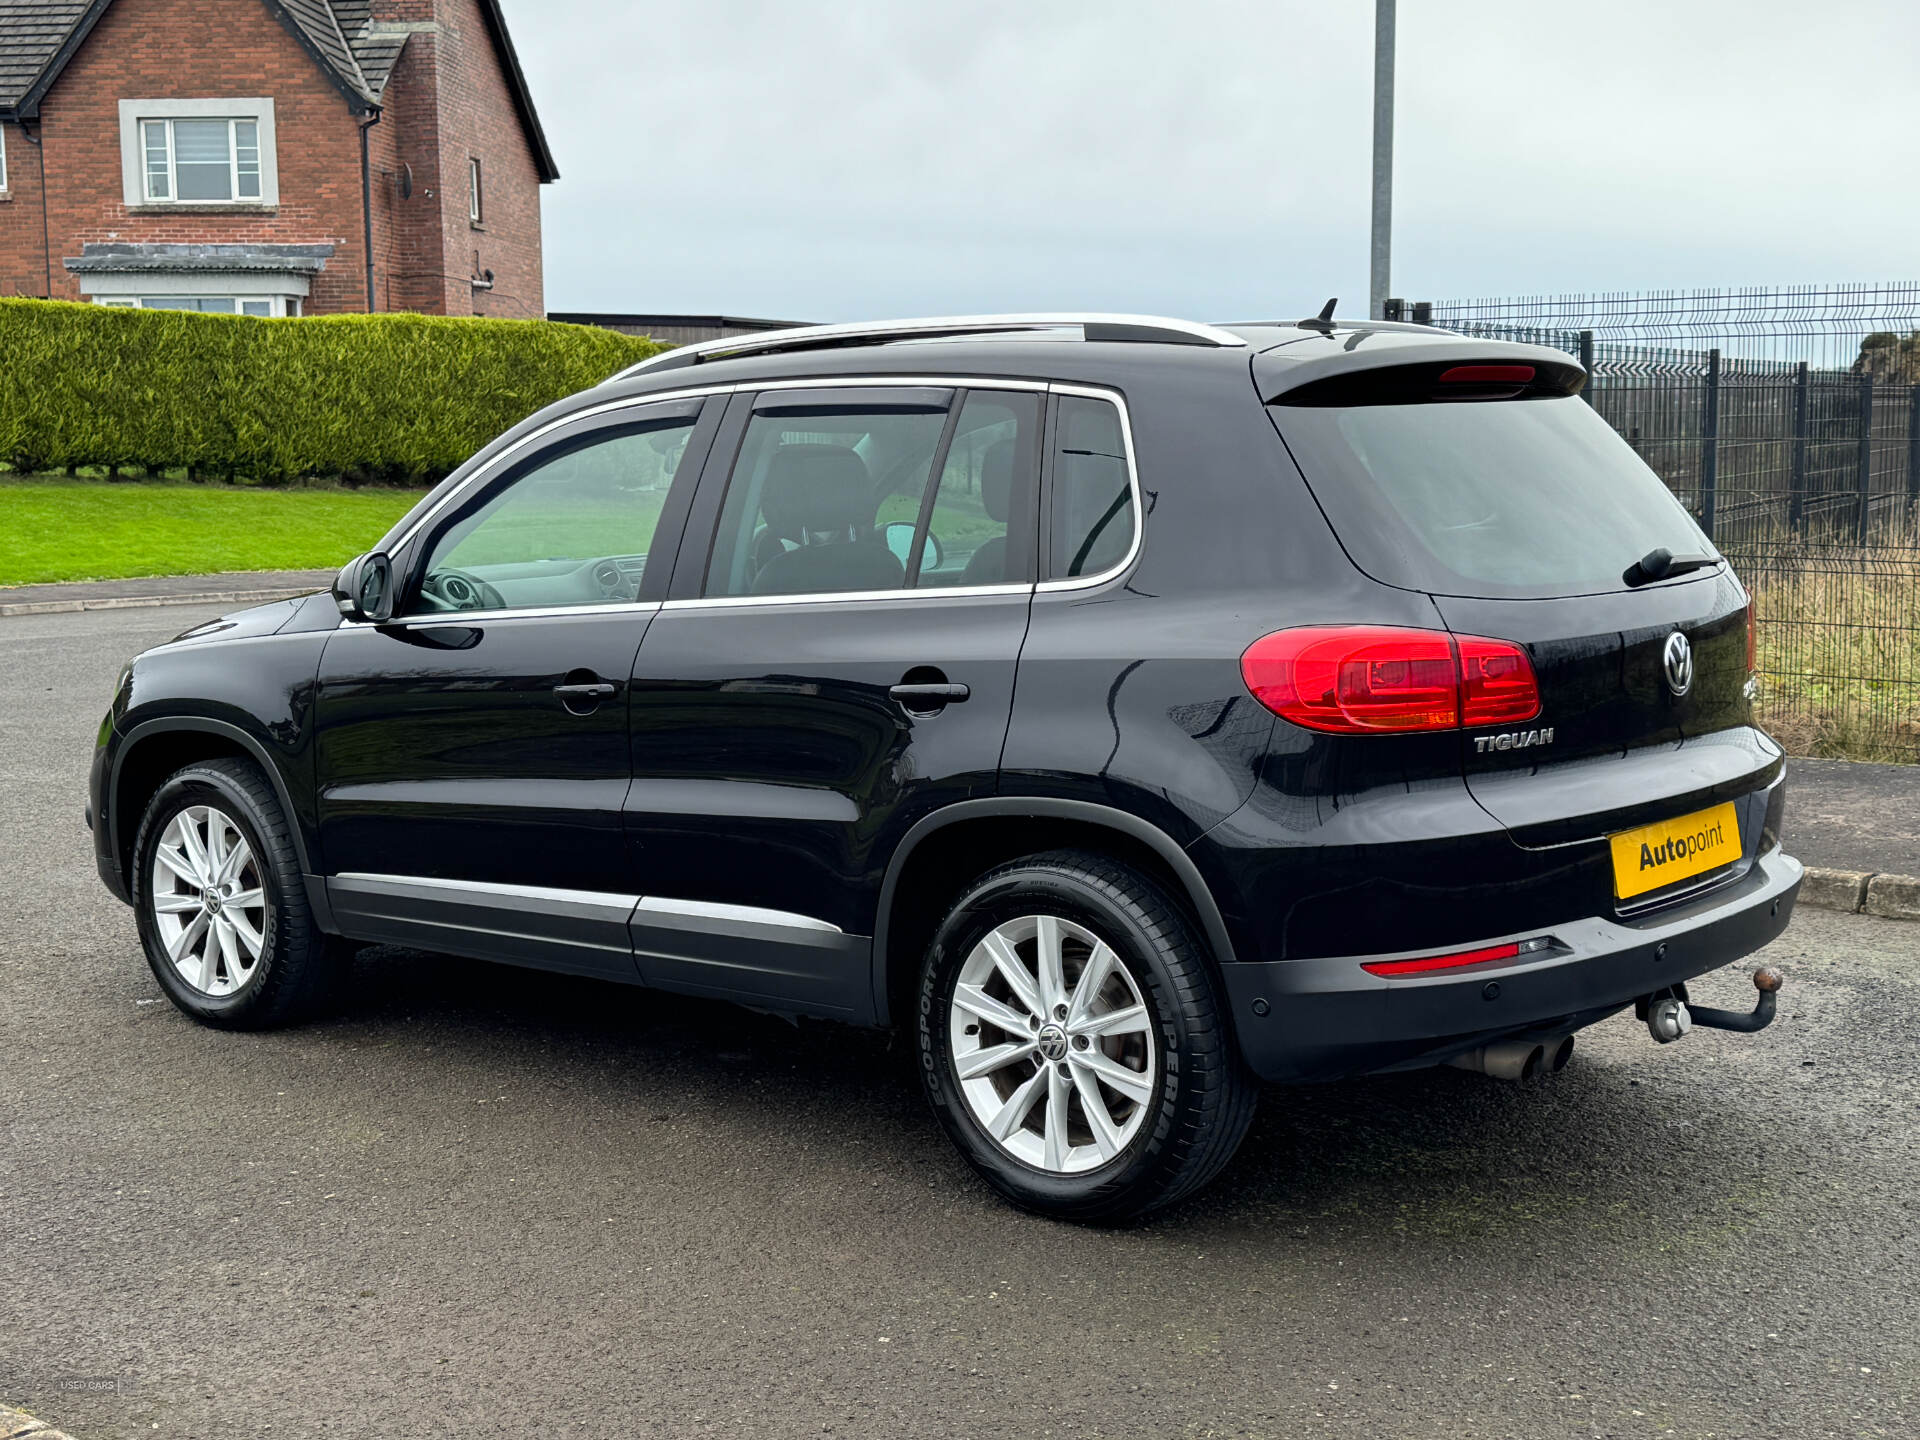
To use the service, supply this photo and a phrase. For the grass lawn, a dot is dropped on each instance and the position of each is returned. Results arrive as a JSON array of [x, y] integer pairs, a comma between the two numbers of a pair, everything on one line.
[[58, 529]]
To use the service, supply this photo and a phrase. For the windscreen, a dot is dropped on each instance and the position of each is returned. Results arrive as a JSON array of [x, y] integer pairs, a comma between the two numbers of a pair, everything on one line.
[[1520, 498]]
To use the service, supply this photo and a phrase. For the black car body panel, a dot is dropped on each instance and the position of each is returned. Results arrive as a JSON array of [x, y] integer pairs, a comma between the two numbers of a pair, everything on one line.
[[737, 809]]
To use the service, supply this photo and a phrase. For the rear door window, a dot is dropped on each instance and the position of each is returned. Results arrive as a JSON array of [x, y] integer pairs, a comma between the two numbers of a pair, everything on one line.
[[834, 493], [1519, 498]]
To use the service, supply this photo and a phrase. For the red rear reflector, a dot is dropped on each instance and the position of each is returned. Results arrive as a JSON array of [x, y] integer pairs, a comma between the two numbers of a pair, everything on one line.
[[1382, 679], [1442, 962], [1487, 375]]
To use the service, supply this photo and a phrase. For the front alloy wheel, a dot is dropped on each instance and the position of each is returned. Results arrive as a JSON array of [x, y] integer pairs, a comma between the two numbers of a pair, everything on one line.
[[221, 901], [209, 907], [1052, 1044]]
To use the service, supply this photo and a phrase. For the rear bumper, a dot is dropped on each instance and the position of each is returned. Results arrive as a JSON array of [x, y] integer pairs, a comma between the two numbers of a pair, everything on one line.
[[1320, 1019]]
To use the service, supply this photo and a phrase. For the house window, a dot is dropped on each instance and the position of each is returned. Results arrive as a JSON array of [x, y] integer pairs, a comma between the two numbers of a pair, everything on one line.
[[3, 159], [473, 192], [198, 152], [202, 160], [262, 306]]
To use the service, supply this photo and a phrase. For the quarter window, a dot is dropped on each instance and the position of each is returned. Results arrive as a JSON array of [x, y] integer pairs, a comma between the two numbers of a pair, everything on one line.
[[573, 527], [1093, 520], [201, 161]]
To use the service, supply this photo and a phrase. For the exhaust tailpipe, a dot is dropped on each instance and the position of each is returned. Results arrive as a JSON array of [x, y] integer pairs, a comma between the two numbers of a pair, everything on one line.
[[1558, 1050], [1507, 1060]]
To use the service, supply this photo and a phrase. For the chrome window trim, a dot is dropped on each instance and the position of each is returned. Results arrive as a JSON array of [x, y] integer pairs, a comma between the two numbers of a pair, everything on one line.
[[803, 337], [492, 468], [529, 612], [839, 597], [740, 914], [822, 382], [1087, 582]]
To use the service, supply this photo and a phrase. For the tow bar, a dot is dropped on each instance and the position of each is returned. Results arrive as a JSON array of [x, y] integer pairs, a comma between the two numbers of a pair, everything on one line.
[[1668, 1016]]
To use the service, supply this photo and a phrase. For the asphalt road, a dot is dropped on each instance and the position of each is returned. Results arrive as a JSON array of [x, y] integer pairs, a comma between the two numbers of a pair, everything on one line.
[[493, 1202]]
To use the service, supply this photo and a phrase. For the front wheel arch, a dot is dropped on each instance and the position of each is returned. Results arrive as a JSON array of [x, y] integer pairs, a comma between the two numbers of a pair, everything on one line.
[[946, 851], [154, 750]]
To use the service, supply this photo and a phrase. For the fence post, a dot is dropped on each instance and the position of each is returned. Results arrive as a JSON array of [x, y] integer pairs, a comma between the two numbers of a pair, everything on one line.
[[1913, 447], [1586, 363], [1710, 442], [1866, 456], [1797, 467]]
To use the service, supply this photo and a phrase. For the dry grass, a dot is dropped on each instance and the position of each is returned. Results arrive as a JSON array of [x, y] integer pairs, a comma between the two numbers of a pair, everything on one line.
[[1839, 645]]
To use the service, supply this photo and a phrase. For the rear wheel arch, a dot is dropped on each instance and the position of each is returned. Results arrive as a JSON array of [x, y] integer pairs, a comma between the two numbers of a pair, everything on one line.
[[155, 750], [945, 852]]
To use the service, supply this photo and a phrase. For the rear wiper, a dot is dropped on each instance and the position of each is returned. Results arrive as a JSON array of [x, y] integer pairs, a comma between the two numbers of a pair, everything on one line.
[[1660, 564]]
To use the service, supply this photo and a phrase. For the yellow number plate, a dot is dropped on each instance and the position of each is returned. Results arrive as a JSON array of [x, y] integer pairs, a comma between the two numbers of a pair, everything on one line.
[[1656, 855]]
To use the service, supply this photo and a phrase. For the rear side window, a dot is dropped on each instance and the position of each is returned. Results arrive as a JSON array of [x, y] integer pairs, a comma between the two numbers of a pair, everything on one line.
[[808, 505], [1514, 498], [1092, 525]]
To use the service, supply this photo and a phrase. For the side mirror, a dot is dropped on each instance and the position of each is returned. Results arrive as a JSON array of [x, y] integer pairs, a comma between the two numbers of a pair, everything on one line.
[[363, 590], [899, 538]]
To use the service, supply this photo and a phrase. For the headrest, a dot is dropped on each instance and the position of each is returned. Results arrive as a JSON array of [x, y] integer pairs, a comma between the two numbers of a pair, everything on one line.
[[819, 488], [996, 479]]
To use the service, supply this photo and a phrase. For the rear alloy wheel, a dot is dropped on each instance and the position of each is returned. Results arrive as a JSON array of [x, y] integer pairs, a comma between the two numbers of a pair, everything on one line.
[[1072, 1042], [1052, 1044]]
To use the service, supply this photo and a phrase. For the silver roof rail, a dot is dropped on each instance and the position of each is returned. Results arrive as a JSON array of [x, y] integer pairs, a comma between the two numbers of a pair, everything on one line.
[[821, 337]]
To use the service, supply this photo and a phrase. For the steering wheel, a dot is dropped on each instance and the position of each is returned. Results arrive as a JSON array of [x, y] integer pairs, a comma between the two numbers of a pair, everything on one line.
[[458, 590]]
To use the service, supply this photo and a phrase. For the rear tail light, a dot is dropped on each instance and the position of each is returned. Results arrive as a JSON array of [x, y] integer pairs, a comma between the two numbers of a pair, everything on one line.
[[1379, 679]]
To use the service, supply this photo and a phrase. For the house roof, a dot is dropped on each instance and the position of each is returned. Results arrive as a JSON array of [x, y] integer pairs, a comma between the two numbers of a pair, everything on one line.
[[109, 258], [356, 52]]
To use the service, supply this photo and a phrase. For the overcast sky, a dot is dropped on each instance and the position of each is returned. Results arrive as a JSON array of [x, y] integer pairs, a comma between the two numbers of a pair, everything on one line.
[[845, 159]]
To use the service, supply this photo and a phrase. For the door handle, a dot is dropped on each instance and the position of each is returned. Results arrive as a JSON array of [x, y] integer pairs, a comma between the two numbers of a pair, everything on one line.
[[928, 695], [583, 697]]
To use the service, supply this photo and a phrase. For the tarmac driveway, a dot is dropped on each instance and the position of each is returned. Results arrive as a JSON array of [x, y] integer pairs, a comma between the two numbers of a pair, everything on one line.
[[489, 1202]]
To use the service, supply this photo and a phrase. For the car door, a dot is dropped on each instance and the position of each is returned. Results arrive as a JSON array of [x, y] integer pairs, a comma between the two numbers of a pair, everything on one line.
[[835, 661], [471, 755]]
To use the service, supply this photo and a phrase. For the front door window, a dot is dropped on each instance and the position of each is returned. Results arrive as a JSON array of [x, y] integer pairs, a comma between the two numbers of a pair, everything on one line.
[[573, 527]]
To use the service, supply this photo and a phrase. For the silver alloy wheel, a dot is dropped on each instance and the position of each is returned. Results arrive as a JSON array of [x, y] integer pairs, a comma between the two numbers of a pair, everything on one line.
[[208, 908], [1045, 1011]]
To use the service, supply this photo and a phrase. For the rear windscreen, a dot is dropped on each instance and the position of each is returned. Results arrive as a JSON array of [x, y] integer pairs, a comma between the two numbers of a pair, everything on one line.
[[1516, 498]]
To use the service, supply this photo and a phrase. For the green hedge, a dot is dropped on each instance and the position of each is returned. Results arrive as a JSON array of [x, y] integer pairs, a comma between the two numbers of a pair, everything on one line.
[[397, 398]]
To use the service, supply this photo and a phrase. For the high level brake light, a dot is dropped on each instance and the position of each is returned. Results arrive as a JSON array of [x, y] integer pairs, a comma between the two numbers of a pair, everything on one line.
[[1383, 679]]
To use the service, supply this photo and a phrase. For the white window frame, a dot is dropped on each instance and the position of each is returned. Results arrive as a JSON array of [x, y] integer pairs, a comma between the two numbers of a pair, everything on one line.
[[3, 159], [278, 306], [476, 207], [133, 156]]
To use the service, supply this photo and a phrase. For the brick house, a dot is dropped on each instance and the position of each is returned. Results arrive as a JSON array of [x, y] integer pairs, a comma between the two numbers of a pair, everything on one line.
[[269, 157]]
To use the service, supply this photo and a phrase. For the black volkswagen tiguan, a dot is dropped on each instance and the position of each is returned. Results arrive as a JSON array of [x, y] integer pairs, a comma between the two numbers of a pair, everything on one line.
[[1130, 709]]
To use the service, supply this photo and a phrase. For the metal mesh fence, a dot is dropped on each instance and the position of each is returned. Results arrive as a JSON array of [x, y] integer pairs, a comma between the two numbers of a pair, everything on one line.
[[1788, 421]]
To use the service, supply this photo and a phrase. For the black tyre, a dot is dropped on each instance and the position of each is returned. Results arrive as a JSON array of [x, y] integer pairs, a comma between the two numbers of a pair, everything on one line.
[[1073, 1044], [221, 904]]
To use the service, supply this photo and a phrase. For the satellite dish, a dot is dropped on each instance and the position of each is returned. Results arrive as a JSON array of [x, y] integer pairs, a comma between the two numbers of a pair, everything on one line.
[[406, 182]]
